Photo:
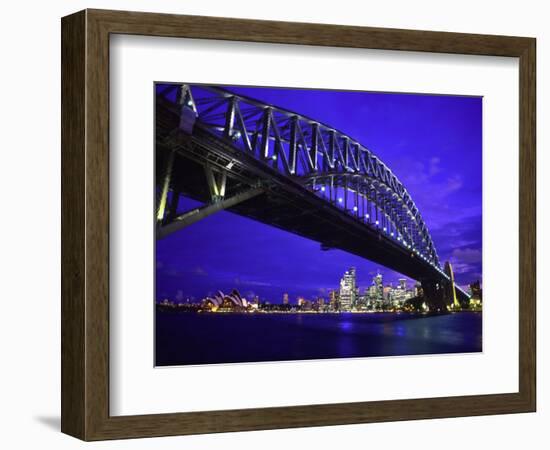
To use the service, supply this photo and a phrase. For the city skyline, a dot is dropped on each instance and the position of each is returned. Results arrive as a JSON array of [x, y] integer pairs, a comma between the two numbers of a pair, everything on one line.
[[432, 143], [348, 283]]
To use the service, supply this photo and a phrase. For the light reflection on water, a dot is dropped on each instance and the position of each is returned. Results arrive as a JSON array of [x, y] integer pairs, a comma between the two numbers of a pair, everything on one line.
[[184, 338], [346, 326]]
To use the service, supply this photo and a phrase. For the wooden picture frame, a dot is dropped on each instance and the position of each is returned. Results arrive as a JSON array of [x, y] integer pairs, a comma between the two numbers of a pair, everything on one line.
[[85, 224]]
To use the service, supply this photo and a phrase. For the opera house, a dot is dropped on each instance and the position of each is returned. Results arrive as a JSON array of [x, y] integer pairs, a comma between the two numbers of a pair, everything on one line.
[[222, 302]]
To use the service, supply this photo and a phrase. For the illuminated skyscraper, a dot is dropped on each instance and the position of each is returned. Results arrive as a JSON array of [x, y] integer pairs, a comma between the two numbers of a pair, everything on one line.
[[348, 290], [285, 299], [377, 290], [372, 294], [377, 280], [400, 295], [387, 294], [403, 283]]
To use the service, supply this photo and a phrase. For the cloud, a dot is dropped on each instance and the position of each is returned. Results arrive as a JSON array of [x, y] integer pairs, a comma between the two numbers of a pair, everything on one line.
[[240, 282], [200, 271], [467, 255], [453, 184], [257, 283], [434, 167], [461, 268], [466, 273], [418, 174]]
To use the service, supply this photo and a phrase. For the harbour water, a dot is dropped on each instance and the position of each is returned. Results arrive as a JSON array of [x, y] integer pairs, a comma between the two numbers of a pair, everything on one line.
[[184, 338]]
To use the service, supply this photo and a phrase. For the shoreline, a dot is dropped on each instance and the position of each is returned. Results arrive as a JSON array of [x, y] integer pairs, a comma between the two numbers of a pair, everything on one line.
[[176, 309]]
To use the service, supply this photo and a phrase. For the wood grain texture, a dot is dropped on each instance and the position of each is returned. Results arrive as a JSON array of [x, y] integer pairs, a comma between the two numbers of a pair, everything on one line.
[[72, 224], [527, 224], [85, 224]]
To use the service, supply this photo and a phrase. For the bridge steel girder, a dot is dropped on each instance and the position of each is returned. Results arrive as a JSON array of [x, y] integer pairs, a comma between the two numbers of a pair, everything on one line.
[[197, 214], [363, 189], [294, 143], [161, 204]]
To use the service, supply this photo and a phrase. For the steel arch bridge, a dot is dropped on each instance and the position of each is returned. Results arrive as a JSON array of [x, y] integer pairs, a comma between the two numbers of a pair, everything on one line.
[[261, 148]]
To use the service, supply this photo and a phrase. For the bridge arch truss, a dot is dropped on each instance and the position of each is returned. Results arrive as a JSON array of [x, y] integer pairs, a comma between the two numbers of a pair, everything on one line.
[[330, 163]]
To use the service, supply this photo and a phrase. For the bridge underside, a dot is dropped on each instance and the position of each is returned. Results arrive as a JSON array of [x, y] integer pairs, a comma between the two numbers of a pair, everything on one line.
[[283, 202]]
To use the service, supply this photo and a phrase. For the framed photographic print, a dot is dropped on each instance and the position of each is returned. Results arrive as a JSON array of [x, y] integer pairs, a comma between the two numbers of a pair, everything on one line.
[[270, 224]]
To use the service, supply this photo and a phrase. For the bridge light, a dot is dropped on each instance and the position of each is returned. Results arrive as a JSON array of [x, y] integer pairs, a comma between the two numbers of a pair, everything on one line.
[[366, 216], [322, 189], [274, 157], [189, 102], [340, 200], [377, 222], [391, 234], [355, 208], [385, 229], [236, 135]]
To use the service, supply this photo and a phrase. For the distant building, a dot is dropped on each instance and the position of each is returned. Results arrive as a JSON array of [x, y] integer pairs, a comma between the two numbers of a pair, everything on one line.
[[475, 289], [363, 300], [348, 290], [285, 299], [377, 291], [333, 300], [476, 298], [387, 294], [372, 293], [400, 294], [223, 302], [403, 283], [418, 291]]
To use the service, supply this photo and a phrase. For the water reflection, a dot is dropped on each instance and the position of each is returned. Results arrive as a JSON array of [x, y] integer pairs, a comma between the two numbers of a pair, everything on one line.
[[184, 338], [346, 326]]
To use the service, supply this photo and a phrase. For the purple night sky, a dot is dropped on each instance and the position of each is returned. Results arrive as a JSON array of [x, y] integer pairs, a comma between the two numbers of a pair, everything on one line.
[[432, 143]]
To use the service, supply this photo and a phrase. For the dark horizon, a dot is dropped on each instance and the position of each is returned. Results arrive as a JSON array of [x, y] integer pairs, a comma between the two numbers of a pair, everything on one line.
[[433, 144]]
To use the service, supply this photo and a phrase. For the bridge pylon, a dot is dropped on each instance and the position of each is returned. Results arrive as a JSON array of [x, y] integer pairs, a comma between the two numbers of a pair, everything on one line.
[[441, 295], [452, 298], [434, 293]]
